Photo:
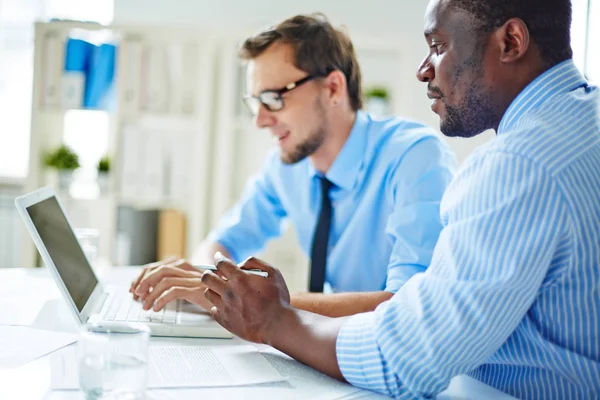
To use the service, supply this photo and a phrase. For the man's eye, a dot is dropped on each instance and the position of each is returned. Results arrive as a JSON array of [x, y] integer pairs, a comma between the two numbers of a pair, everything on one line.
[[435, 48]]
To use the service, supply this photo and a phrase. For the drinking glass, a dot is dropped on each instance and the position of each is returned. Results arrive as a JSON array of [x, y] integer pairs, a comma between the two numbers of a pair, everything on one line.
[[113, 361]]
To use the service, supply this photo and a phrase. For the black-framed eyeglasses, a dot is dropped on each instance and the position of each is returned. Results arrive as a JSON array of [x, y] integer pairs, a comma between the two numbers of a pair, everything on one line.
[[273, 99]]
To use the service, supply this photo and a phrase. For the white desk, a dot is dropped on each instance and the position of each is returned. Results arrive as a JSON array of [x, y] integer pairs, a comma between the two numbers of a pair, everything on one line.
[[36, 293]]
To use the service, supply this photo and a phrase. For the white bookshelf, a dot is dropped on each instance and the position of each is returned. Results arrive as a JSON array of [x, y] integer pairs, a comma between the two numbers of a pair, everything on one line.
[[194, 113]]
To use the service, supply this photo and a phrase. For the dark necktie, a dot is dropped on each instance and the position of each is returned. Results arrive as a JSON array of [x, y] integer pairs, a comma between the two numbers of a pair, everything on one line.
[[318, 254]]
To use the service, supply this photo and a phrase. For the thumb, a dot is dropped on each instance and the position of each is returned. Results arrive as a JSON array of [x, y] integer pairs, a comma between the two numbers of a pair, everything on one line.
[[253, 263]]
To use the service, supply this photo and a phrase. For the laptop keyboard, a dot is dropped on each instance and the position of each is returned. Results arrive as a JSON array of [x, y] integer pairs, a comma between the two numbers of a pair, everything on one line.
[[124, 308]]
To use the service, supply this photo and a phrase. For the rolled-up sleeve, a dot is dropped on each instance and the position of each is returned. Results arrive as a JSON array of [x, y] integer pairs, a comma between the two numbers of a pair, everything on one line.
[[417, 184], [505, 217], [359, 357], [246, 228]]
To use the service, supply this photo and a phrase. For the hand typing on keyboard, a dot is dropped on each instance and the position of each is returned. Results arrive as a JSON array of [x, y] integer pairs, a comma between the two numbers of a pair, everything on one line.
[[162, 282]]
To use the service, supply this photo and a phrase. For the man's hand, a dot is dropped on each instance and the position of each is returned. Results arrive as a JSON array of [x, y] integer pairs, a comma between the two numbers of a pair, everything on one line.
[[168, 280], [247, 305], [149, 268]]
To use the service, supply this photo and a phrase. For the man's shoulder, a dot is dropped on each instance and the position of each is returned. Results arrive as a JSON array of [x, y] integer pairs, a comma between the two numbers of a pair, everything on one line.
[[547, 143], [555, 134]]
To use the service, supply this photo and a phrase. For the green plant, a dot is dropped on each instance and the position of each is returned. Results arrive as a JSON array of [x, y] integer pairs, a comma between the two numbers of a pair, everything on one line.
[[378, 92], [62, 158], [104, 164]]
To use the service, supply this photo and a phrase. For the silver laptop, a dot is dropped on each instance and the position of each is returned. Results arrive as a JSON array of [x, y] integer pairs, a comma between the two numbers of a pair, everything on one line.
[[89, 299]]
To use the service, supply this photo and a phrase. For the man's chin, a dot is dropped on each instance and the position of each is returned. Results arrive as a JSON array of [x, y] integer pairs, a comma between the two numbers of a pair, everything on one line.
[[289, 158], [450, 130], [286, 160]]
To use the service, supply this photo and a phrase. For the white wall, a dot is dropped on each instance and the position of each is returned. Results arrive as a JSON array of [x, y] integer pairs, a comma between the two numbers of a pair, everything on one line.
[[375, 16]]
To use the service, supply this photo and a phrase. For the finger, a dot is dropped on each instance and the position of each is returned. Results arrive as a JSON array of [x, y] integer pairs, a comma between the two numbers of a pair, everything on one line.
[[253, 264], [168, 259], [185, 265], [172, 294], [214, 282], [147, 269], [166, 284], [214, 298], [226, 267], [154, 277], [141, 276]]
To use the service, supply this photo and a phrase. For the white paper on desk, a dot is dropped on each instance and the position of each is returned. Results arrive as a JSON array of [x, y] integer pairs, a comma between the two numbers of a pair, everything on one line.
[[185, 366], [22, 344], [308, 381], [23, 315], [23, 297]]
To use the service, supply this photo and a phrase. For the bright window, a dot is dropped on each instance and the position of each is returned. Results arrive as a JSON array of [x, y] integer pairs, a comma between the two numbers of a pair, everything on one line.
[[585, 34], [592, 66], [86, 132], [16, 45]]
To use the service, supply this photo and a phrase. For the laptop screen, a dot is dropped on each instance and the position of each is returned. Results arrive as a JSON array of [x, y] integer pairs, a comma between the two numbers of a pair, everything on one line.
[[64, 249]]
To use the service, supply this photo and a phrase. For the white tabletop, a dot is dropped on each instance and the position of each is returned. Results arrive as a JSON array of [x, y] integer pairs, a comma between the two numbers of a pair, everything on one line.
[[40, 306]]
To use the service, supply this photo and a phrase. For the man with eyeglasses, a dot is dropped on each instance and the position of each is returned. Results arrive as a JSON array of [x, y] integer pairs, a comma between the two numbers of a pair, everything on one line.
[[355, 187]]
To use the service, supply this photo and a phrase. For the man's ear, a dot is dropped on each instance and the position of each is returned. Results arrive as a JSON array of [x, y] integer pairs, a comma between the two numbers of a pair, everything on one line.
[[513, 39], [335, 83]]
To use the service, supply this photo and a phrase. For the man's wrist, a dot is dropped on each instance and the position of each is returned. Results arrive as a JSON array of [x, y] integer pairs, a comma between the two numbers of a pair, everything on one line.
[[286, 321]]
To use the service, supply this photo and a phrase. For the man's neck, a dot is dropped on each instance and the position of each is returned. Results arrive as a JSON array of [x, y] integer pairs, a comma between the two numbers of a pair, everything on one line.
[[340, 128], [514, 85]]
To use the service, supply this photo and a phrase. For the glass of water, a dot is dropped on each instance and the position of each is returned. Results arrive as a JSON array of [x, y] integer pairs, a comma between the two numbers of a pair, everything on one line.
[[113, 361]]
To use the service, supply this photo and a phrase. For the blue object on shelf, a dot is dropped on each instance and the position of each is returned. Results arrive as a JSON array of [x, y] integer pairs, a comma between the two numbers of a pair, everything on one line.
[[76, 63], [77, 55], [99, 88]]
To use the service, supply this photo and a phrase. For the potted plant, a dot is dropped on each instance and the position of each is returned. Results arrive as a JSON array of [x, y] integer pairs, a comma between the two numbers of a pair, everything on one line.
[[64, 161], [103, 169], [377, 100]]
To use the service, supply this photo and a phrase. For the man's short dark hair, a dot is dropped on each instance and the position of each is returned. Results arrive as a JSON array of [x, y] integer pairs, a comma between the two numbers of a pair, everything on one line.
[[548, 21], [319, 49]]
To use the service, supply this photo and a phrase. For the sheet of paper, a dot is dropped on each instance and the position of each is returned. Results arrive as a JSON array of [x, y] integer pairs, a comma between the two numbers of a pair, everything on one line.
[[308, 381], [21, 344], [187, 366], [22, 299], [303, 383], [23, 315]]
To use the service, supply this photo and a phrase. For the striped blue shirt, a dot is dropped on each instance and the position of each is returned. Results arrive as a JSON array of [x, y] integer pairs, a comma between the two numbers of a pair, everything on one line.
[[512, 296], [389, 179]]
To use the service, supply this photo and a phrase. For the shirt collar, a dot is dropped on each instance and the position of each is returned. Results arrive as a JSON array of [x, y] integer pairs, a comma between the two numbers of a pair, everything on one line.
[[562, 78], [344, 170]]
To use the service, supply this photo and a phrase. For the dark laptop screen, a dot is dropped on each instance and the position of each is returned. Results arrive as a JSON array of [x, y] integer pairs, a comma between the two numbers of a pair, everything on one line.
[[64, 250]]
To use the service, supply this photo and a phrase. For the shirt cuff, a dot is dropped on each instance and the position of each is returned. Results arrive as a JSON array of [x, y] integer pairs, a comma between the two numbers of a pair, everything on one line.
[[358, 353]]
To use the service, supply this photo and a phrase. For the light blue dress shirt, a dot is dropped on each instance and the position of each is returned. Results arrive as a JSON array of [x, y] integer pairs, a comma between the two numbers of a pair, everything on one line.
[[388, 181], [512, 295]]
